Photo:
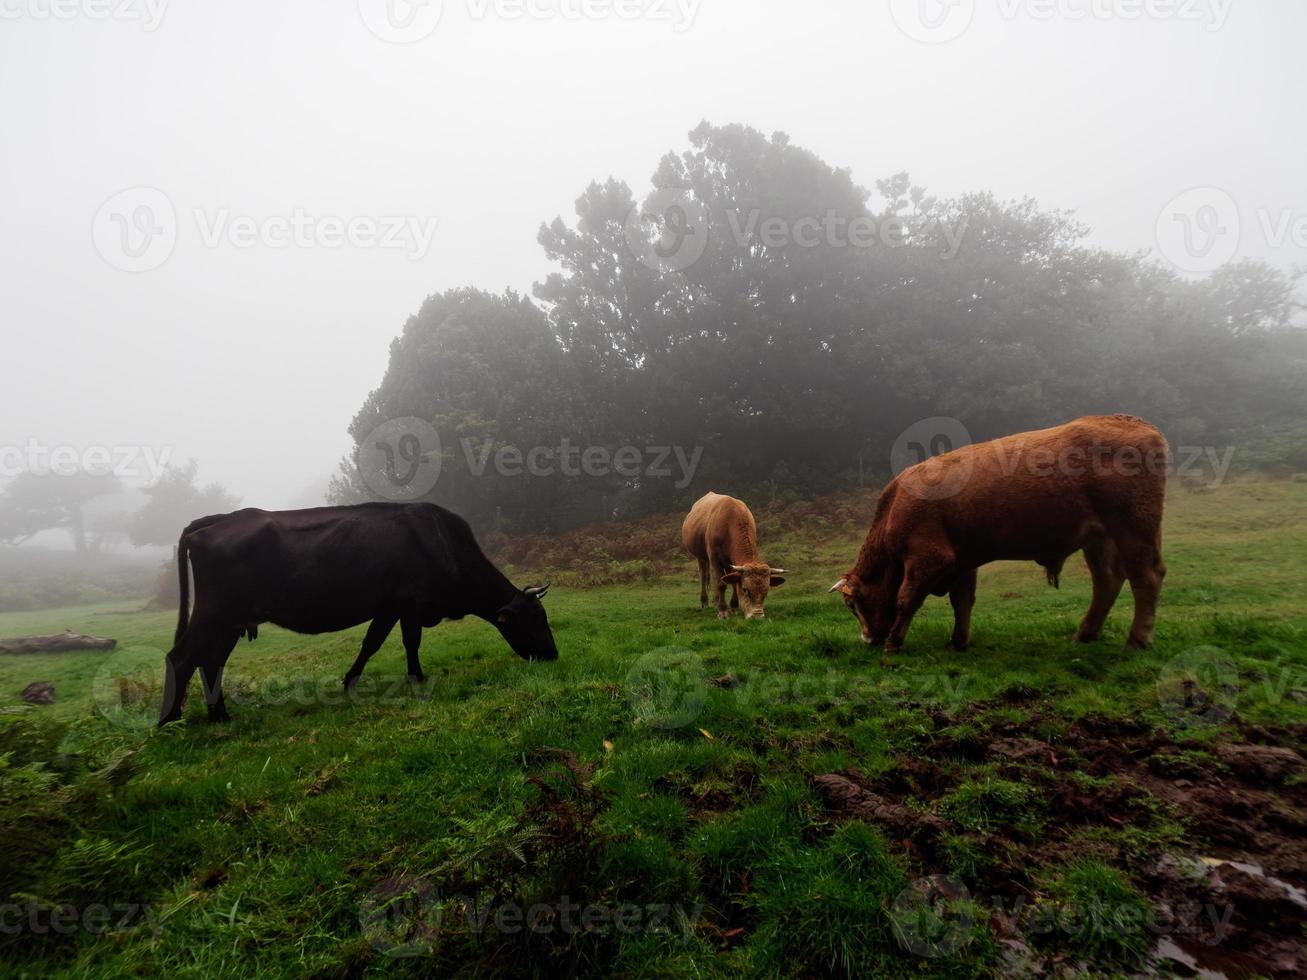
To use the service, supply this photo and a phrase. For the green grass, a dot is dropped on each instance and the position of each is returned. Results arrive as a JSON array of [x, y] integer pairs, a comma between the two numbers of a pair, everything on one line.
[[321, 835]]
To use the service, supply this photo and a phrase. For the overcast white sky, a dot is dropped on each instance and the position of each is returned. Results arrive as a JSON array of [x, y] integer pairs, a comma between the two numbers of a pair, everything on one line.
[[254, 359]]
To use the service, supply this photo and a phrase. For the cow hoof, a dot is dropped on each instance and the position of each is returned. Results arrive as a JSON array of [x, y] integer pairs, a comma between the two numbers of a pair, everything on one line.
[[219, 717], [417, 678], [351, 682], [723, 614], [957, 647], [1137, 644], [893, 648], [1083, 637]]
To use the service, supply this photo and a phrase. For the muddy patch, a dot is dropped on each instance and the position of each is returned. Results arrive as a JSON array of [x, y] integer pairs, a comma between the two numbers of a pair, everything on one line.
[[1213, 836]]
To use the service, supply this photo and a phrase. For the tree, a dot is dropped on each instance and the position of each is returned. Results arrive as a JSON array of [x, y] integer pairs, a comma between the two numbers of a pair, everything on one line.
[[173, 502], [33, 502], [795, 360], [488, 374]]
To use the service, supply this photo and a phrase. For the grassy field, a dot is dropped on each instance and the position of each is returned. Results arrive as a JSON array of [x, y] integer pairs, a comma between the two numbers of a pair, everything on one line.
[[677, 796]]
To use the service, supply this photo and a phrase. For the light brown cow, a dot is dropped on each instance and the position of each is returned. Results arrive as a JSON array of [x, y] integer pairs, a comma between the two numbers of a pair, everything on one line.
[[1097, 483], [720, 534]]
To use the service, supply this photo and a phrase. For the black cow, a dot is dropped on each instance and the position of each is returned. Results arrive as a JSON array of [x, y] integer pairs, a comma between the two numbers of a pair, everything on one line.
[[330, 568]]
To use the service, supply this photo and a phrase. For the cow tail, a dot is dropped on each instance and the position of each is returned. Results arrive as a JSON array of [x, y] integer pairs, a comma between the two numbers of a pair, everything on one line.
[[184, 587]]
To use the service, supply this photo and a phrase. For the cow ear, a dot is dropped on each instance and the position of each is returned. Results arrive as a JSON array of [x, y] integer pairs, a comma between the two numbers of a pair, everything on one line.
[[777, 580], [731, 578], [504, 615]]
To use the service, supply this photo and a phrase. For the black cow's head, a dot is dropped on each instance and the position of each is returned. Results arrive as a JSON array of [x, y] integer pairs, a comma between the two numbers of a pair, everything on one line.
[[526, 627]]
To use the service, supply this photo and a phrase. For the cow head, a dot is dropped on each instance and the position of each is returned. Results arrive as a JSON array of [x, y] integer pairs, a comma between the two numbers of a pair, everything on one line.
[[525, 626], [872, 602], [752, 582]]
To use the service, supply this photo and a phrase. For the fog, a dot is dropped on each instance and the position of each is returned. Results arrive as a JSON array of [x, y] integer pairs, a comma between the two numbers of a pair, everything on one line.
[[252, 343]]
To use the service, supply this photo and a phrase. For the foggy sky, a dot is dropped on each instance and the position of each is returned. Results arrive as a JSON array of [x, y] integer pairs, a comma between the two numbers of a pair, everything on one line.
[[254, 359]]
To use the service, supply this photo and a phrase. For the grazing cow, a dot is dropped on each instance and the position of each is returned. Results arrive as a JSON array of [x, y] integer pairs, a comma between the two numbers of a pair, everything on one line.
[[1097, 483], [720, 534], [330, 568]]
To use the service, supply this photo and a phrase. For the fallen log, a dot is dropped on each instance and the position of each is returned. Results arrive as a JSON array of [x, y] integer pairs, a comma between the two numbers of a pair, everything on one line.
[[56, 643]]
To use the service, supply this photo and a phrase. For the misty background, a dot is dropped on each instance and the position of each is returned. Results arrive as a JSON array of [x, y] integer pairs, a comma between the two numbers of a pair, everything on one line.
[[248, 350]]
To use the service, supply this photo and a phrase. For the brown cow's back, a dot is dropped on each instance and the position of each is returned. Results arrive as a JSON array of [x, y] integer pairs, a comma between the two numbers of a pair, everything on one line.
[[720, 529], [1036, 496]]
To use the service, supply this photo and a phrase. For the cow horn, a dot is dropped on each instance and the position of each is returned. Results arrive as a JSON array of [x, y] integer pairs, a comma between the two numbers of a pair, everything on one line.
[[838, 585], [537, 591], [737, 568], [779, 571]]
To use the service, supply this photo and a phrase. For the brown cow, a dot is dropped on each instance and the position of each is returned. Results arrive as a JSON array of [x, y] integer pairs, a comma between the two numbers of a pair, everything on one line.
[[1097, 483], [720, 534]]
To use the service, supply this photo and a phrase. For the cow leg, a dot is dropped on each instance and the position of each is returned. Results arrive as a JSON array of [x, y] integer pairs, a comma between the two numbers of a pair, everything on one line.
[[213, 661], [1105, 569], [735, 597], [179, 665], [703, 583], [719, 588], [962, 596], [1142, 558], [918, 575], [376, 635], [411, 630]]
